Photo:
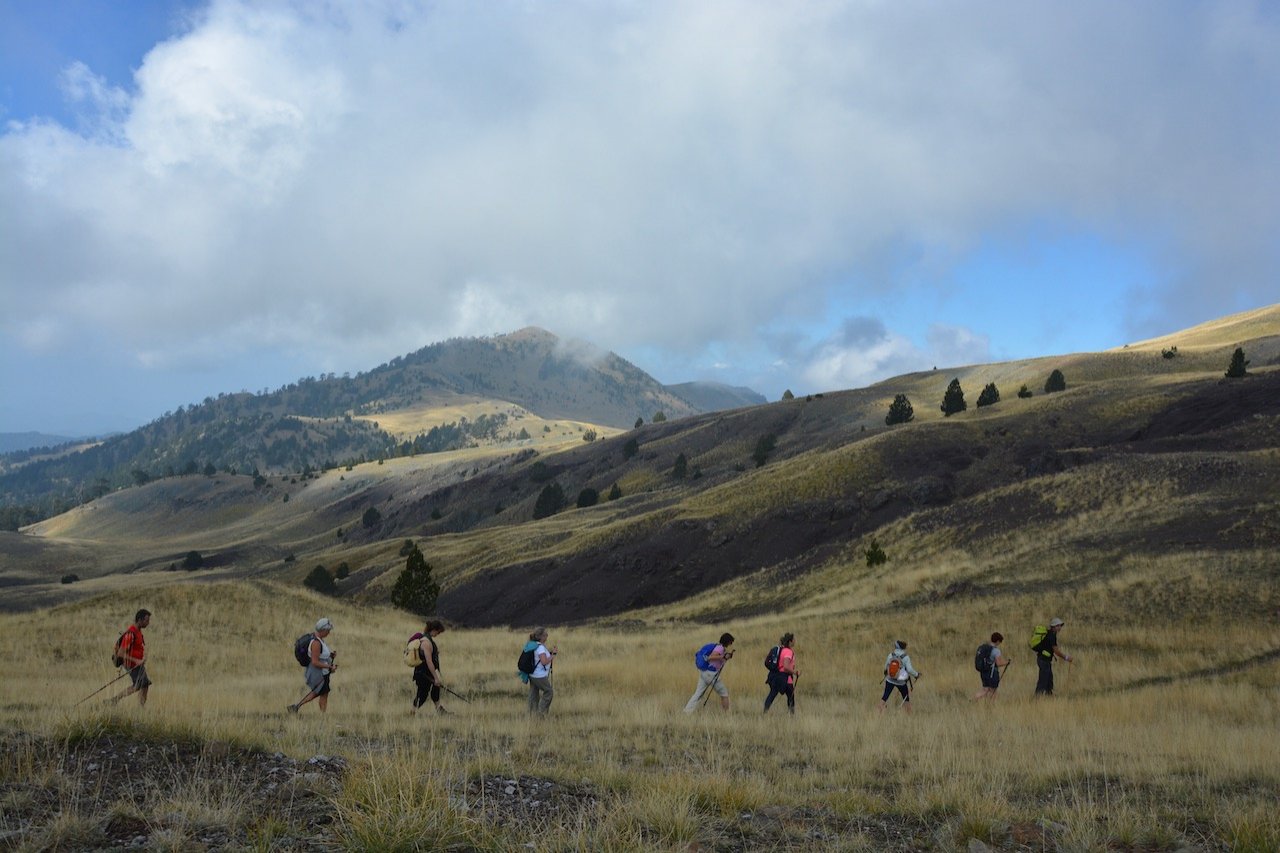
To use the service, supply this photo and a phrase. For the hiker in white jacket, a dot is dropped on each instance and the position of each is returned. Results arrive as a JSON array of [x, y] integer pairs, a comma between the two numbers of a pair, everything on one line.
[[899, 673]]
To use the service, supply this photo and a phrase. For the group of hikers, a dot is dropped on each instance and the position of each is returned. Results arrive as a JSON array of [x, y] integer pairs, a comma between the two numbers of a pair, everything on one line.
[[537, 659]]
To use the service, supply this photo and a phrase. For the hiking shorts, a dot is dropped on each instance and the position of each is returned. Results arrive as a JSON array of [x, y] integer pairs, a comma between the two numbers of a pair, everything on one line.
[[991, 678], [318, 681], [139, 676]]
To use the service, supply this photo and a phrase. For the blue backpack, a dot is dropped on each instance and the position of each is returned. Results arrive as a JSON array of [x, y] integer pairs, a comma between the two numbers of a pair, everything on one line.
[[700, 656]]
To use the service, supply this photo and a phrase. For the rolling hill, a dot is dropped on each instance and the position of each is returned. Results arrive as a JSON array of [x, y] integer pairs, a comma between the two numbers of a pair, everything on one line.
[[1142, 457], [447, 396]]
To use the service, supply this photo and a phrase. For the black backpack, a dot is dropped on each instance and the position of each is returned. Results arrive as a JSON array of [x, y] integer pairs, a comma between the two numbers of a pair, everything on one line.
[[117, 659], [982, 659], [302, 649], [525, 663], [771, 659]]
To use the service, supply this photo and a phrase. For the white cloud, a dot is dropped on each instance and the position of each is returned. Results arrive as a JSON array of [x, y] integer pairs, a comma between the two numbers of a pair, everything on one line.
[[364, 178]]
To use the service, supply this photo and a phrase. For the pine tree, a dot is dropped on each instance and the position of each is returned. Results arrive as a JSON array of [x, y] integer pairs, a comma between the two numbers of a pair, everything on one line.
[[681, 467], [989, 396], [900, 411], [1238, 364], [953, 400], [550, 500], [1055, 382], [615, 492], [415, 590], [320, 580]]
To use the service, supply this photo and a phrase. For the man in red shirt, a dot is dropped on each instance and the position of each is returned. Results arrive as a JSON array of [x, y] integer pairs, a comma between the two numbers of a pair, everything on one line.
[[131, 651]]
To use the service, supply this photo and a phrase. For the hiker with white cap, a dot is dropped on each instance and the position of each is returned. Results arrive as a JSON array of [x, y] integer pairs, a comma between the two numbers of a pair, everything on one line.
[[320, 665], [1044, 642]]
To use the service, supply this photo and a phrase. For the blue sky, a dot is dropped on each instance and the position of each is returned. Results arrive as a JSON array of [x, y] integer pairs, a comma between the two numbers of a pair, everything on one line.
[[198, 197]]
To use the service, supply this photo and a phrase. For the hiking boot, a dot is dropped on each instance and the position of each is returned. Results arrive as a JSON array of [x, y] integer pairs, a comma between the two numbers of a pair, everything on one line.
[[292, 709]]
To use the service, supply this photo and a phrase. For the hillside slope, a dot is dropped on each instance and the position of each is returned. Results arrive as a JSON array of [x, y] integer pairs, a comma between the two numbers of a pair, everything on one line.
[[1141, 458]]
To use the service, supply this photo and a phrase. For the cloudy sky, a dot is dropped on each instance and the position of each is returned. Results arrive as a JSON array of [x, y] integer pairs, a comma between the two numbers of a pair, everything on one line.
[[201, 196]]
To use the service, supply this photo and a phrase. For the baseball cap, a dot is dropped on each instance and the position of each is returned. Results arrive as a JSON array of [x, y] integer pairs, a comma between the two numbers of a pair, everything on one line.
[[324, 624], [1056, 622]]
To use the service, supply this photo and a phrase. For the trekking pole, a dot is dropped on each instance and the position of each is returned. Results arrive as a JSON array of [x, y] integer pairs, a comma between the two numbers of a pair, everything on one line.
[[712, 687], [100, 689], [911, 686], [460, 696]]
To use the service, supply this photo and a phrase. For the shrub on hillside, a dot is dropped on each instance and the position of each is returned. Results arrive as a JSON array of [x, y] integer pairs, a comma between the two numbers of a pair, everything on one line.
[[631, 448], [990, 395], [192, 561], [764, 446], [588, 497], [681, 467], [589, 436], [787, 395], [406, 547], [1171, 352], [953, 399], [1024, 392], [875, 555], [415, 590], [371, 517], [72, 578], [320, 580], [1236, 369], [659, 417], [550, 500], [900, 411], [1055, 382], [615, 492], [343, 572]]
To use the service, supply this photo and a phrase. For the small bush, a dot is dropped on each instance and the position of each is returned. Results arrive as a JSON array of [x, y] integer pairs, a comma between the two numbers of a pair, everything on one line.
[[192, 561], [1024, 392], [681, 467], [875, 555], [1236, 369], [343, 572], [764, 446], [406, 547], [630, 449], [320, 580], [371, 517], [1056, 382], [550, 501], [615, 492], [72, 578], [1171, 352], [588, 497]]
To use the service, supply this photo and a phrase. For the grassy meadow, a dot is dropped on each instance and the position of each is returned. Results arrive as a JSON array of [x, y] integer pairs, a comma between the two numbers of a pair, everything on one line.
[[1162, 735]]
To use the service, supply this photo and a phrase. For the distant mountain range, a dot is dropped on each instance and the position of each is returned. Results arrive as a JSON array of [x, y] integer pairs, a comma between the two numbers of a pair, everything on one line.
[[11, 442], [329, 421]]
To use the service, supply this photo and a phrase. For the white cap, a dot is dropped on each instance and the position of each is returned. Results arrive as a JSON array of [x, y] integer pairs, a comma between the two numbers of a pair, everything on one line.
[[324, 624]]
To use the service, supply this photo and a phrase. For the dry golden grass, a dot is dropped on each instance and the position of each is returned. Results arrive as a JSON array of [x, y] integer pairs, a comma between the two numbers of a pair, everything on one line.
[[1161, 730]]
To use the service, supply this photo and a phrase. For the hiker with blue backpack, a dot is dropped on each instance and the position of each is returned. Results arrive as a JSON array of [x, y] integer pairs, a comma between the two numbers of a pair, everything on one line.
[[534, 667], [898, 674], [781, 664], [710, 661], [313, 652], [988, 660]]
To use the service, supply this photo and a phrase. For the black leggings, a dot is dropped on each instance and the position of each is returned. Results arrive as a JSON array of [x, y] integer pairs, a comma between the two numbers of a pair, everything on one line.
[[426, 687], [777, 686]]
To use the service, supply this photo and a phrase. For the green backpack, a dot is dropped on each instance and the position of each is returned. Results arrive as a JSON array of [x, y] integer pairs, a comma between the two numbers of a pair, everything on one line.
[[1038, 637]]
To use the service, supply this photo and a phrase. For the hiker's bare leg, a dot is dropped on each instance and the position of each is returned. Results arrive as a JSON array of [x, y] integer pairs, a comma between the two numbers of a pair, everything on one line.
[[724, 702], [323, 702]]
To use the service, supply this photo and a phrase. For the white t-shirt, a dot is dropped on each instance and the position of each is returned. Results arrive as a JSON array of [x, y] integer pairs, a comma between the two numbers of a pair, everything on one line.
[[540, 669]]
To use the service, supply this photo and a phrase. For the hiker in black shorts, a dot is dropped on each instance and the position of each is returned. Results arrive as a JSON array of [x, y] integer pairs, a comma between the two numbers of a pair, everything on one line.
[[426, 675], [132, 655], [990, 669], [1046, 650]]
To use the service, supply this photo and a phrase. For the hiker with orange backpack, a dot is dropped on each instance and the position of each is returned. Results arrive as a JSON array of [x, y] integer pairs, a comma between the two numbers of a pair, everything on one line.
[[898, 673], [781, 663], [130, 652], [426, 672]]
